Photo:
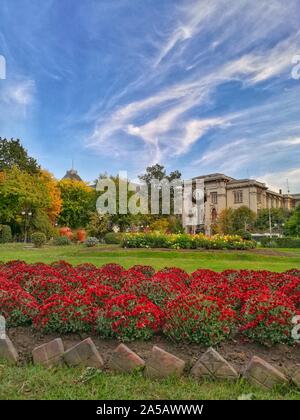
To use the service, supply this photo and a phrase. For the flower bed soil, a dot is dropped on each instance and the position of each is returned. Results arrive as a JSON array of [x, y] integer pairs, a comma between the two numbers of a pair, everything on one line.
[[238, 353]]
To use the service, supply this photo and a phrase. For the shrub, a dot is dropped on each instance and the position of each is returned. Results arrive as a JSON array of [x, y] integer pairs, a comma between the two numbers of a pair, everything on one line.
[[274, 242], [61, 241], [128, 317], [113, 238], [185, 241], [112, 274], [245, 235], [81, 235], [70, 312], [99, 224], [16, 305], [91, 242], [267, 318], [39, 239], [147, 270], [5, 234], [159, 289], [66, 231], [199, 319]]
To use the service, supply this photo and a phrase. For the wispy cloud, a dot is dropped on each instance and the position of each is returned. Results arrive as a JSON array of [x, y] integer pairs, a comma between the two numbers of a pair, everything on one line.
[[20, 93], [288, 179], [197, 85], [164, 121]]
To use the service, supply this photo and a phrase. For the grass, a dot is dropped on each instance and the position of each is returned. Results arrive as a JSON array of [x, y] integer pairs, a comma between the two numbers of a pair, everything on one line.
[[36, 382], [189, 260]]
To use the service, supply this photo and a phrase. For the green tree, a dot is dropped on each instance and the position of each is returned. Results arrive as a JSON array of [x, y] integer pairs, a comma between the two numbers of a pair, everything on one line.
[[78, 202], [243, 219], [278, 218], [12, 153], [158, 172], [293, 223], [23, 198]]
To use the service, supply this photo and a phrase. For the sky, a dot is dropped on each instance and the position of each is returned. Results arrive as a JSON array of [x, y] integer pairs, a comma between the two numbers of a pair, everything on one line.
[[196, 85]]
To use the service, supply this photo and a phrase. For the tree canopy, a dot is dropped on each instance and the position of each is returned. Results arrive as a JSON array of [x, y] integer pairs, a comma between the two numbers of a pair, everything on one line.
[[12, 153]]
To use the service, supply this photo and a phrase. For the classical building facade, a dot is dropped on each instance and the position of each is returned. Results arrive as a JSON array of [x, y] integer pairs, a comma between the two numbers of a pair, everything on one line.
[[223, 192]]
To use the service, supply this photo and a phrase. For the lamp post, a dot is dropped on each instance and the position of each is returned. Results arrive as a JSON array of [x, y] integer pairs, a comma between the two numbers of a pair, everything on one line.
[[26, 214], [270, 222]]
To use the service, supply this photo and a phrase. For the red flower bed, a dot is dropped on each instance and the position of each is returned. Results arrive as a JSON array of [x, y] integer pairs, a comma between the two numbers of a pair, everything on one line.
[[267, 318], [129, 317], [16, 305], [199, 319], [204, 307]]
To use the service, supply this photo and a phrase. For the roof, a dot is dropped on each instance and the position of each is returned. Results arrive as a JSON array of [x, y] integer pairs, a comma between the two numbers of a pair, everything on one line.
[[73, 175], [211, 177]]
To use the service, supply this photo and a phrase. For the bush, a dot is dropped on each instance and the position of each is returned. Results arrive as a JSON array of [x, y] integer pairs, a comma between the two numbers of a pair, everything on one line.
[[5, 234], [185, 241], [245, 235], [128, 317], [99, 224], [16, 305], [91, 242], [275, 242], [65, 313], [113, 238], [200, 319], [39, 239], [61, 241], [267, 318]]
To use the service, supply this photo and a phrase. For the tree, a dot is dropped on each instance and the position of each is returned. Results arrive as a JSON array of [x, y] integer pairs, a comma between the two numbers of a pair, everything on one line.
[[12, 153], [78, 202], [158, 172], [243, 219], [278, 218], [235, 221], [224, 223], [293, 224], [55, 195], [23, 198]]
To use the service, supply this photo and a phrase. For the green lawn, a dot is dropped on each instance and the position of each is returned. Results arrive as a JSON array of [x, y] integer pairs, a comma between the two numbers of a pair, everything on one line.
[[35, 382], [188, 260]]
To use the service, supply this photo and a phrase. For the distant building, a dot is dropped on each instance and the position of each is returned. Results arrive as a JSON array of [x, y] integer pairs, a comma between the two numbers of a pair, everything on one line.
[[73, 175], [223, 192]]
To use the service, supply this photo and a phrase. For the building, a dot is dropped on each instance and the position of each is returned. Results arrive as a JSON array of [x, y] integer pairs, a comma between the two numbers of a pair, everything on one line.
[[73, 175], [223, 192]]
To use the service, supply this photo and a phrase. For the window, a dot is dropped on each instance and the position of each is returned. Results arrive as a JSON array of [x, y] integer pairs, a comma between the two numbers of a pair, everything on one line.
[[214, 197], [238, 196]]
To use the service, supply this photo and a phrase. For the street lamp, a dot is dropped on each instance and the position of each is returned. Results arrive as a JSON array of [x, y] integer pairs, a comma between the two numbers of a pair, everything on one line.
[[26, 215], [270, 222]]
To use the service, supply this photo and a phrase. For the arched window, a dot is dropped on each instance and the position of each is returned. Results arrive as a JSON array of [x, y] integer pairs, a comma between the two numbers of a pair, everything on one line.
[[214, 215]]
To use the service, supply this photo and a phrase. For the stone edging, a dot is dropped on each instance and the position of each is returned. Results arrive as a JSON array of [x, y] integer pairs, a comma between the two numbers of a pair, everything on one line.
[[160, 364]]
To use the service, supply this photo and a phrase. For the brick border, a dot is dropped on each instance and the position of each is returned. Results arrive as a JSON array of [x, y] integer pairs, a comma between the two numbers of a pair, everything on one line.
[[160, 364]]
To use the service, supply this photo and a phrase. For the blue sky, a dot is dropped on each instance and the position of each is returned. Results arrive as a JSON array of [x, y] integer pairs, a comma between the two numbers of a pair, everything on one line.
[[199, 86]]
